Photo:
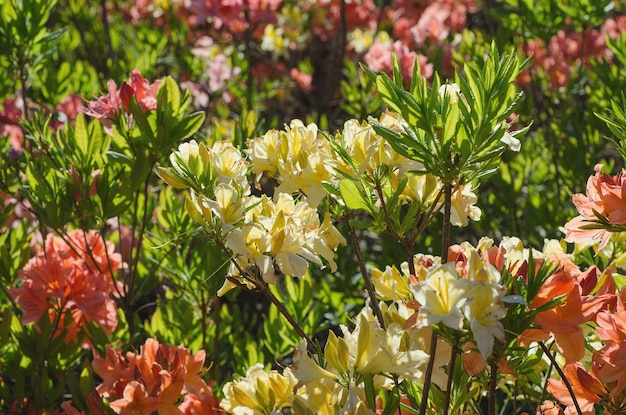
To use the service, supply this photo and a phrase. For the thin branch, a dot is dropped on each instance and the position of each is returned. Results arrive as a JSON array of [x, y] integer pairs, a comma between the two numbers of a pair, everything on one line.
[[493, 383], [455, 351], [447, 188], [369, 287], [563, 377], [260, 285]]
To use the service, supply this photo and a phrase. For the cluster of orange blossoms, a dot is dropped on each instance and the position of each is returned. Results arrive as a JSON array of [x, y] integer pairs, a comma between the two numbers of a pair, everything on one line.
[[155, 380], [70, 277]]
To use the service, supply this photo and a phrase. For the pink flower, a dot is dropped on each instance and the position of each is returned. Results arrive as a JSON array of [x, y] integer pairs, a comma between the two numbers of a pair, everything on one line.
[[379, 58], [432, 24], [110, 105], [606, 196], [9, 123], [140, 88], [614, 27], [67, 110], [302, 79], [107, 106]]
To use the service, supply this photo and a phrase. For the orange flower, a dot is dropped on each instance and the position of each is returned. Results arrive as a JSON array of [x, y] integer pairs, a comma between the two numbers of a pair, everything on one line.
[[160, 372], [606, 196], [66, 278], [611, 359], [115, 370], [587, 389], [548, 408], [564, 321], [196, 405], [136, 401]]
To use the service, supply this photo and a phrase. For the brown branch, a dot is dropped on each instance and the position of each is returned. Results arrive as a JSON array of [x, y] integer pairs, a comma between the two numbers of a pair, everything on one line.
[[369, 287]]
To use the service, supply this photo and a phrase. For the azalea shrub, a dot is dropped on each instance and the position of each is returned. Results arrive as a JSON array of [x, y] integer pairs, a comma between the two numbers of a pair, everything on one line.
[[332, 207]]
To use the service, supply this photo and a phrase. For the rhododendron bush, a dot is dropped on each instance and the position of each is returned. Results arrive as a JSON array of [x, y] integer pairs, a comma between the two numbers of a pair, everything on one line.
[[331, 207]]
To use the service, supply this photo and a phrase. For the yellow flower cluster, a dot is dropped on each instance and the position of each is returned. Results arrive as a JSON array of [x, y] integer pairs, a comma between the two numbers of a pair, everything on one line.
[[298, 157], [368, 350], [267, 236], [285, 233], [259, 392]]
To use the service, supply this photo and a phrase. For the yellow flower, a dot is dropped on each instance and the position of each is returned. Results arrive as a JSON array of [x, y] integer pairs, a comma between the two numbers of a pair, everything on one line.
[[230, 167], [315, 398], [308, 370], [484, 309], [479, 270], [463, 200], [259, 392], [228, 205], [390, 284], [299, 158], [441, 296]]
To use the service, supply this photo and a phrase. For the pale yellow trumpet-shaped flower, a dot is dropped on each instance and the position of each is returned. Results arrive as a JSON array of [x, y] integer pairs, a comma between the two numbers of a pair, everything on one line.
[[186, 153], [408, 360], [441, 296], [316, 398], [228, 205], [263, 153], [229, 165], [307, 370], [390, 284], [479, 270], [259, 392], [463, 200], [484, 310], [299, 158], [285, 232], [184, 166], [420, 188], [367, 344]]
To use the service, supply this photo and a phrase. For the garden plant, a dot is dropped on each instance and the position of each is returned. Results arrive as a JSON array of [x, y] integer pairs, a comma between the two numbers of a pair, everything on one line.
[[312, 207]]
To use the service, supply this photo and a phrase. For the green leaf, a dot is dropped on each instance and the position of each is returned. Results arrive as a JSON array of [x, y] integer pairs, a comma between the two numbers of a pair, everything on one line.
[[186, 128], [169, 95], [393, 402], [81, 136], [352, 196], [370, 391]]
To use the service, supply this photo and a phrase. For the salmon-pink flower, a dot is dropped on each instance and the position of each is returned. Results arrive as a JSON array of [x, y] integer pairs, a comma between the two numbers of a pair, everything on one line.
[[200, 405], [70, 276], [10, 124], [610, 361], [107, 106], [564, 321], [606, 197], [135, 401], [155, 379]]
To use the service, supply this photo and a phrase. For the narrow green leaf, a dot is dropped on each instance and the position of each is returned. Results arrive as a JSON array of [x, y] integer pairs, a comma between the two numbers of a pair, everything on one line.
[[81, 136]]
